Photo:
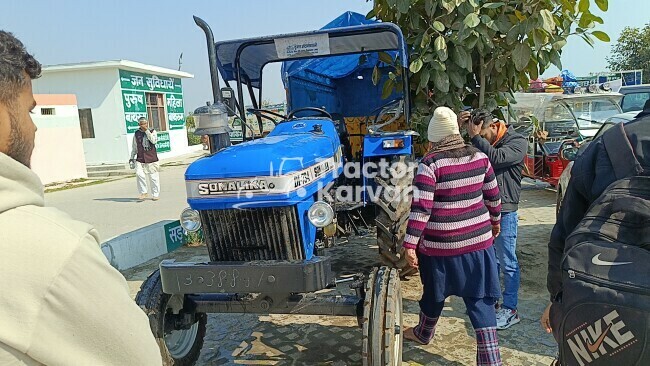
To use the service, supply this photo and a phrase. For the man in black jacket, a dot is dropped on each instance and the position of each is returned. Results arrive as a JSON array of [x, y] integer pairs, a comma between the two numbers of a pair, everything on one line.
[[591, 174], [506, 150]]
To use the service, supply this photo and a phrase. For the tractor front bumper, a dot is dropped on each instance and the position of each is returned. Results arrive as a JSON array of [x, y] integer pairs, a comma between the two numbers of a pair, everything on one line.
[[179, 278]]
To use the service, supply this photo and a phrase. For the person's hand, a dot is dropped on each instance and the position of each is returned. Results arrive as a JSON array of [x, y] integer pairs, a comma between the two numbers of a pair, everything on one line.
[[411, 258], [474, 129], [496, 230], [545, 320], [463, 118]]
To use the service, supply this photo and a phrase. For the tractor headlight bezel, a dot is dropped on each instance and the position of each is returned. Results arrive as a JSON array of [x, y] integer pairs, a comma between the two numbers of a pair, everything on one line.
[[320, 214], [190, 220]]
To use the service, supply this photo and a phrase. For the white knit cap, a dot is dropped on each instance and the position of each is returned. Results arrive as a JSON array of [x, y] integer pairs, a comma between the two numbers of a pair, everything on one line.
[[443, 123]]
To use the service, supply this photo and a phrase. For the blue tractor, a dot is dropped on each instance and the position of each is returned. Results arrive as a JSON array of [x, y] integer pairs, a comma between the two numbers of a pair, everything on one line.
[[268, 206]]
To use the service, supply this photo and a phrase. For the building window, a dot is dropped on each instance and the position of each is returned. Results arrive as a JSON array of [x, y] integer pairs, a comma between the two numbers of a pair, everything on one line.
[[86, 123], [156, 111], [47, 111]]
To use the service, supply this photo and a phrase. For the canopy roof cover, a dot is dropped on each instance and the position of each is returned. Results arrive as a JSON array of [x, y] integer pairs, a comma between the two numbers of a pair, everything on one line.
[[343, 39]]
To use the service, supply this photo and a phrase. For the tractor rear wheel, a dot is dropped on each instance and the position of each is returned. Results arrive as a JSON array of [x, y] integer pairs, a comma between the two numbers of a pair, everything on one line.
[[179, 346], [393, 205], [382, 319]]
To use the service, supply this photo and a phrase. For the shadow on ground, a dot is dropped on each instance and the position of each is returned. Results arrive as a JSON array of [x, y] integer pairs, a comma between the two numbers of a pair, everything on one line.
[[120, 200], [295, 344]]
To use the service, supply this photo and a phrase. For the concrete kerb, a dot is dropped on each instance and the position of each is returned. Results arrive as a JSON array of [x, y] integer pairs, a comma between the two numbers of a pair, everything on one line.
[[139, 246]]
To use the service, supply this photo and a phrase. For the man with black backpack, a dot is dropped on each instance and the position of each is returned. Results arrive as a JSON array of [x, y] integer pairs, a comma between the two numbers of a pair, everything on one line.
[[599, 253]]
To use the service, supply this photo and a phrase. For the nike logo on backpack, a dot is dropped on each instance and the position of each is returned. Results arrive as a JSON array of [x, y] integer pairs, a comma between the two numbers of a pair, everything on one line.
[[597, 261], [593, 347]]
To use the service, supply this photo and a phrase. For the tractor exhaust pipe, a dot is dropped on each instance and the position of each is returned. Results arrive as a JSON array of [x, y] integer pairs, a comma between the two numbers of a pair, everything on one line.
[[213, 120], [212, 58]]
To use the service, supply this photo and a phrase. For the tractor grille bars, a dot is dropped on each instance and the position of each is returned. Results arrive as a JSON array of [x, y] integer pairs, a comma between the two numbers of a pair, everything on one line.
[[271, 233]]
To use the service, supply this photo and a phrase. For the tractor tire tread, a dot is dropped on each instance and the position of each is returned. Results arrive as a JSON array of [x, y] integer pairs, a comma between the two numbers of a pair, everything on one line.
[[392, 217], [153, 301]]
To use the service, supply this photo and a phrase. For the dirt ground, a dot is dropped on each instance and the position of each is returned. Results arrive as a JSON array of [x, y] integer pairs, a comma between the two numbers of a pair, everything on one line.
[[321, 340]]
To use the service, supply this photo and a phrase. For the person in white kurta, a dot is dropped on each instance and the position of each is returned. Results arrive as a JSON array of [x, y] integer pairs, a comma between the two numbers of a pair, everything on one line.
[[145, 156]]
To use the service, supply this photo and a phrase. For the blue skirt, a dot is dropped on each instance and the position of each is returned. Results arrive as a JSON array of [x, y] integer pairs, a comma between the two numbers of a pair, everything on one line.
[[471, 274]]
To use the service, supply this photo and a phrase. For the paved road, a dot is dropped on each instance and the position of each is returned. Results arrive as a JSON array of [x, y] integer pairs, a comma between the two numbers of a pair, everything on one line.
[[113, 206], [322, 340]]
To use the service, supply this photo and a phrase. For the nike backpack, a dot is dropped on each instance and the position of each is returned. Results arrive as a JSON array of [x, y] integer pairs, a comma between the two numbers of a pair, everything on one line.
[[604, 314]]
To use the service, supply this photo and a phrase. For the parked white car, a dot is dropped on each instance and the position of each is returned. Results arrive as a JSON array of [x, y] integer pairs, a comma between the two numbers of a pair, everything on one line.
[[570, 154]]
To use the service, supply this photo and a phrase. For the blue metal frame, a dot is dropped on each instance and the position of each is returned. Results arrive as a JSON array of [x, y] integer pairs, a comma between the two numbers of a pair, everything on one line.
[[373, 149], [373, 145]]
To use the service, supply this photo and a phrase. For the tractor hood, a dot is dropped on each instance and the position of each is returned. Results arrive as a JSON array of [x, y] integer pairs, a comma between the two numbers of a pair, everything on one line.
[[292, 146]]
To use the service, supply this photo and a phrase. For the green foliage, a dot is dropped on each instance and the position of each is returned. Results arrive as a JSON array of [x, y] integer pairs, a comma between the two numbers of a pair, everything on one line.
[[192, 139], [190, 123], [194, 239], [632, 51], [478, 52]]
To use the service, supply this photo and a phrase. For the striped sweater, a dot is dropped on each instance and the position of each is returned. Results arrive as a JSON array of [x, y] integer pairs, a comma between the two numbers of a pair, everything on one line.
[[455, 203]]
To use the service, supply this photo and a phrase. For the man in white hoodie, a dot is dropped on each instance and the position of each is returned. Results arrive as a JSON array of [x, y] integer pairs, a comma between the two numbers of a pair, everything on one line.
[[61, 303]]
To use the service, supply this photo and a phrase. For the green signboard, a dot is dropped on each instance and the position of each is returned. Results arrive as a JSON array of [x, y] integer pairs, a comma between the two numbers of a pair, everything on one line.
[[163, 144], [174, 235], [135, 106], [151, 83], [135, 85], [175, 111]]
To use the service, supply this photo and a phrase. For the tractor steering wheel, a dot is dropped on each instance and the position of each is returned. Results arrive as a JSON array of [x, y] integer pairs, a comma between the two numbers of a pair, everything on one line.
[[261, 113], [322, 112]]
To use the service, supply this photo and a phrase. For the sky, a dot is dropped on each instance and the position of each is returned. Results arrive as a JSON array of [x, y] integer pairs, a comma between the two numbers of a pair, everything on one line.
[[156, 32]]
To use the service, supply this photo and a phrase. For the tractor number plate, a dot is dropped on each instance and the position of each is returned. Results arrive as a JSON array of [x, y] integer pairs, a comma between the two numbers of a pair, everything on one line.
[[246, 277]]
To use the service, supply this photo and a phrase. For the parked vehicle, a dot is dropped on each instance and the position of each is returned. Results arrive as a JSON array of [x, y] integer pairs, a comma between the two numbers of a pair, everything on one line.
[[572, 153], [268, 206], [634, 97], [554, 122]]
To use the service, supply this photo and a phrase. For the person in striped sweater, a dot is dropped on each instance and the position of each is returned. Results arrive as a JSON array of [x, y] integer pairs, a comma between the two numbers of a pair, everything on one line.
[[455, 215]]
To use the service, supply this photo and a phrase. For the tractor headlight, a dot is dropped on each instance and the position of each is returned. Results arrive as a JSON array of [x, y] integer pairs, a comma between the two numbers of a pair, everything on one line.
[[320, 214], [190, 220]]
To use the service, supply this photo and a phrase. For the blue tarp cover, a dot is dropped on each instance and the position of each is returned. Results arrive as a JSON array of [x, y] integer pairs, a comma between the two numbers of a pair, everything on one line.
[[334, 67], [341, 84], [254, 53]]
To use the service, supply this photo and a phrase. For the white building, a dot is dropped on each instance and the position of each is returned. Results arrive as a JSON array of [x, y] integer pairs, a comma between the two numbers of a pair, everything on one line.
[[58, 150], [111, 96]]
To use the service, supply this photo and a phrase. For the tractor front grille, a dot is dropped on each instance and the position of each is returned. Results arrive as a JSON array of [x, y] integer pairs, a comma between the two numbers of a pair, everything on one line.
[[270, 233]]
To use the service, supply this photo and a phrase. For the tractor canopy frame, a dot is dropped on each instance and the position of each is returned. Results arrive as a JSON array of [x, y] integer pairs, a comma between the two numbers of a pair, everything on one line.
[[243, 60]]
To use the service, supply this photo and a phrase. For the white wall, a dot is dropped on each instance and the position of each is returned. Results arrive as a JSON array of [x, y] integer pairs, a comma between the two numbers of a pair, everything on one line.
[[58, 152], [98, 89]]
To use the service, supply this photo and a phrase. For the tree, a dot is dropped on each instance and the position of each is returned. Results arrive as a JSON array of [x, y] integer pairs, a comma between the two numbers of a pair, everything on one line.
[[190, 124], [478, 52], [632, 50]]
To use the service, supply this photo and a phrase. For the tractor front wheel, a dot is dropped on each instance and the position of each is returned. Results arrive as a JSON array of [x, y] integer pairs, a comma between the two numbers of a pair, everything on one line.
[[393, 205], [382, 319], [179, 336]]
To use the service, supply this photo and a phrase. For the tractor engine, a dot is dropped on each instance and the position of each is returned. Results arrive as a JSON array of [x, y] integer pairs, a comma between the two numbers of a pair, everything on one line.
[[254, 200]]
